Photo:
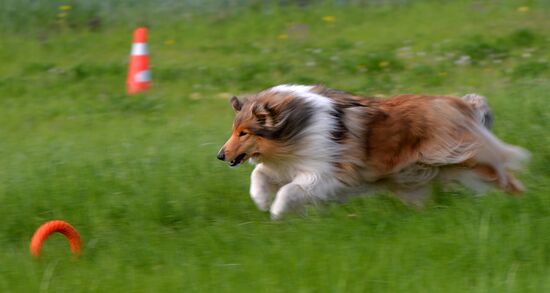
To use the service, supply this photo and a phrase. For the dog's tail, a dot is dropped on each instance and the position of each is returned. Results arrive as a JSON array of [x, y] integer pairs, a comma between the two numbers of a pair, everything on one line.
[[481, 108], [514, 157], [503, 158]]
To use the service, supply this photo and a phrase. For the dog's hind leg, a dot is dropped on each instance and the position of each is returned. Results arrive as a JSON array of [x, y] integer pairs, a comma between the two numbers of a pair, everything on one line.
[[412, 184], [466, 177], [415, 197], [510, 184], [481, 178]]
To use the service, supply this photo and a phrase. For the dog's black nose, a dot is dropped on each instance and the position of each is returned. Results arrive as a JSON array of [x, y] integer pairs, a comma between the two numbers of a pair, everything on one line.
[[221, 155]]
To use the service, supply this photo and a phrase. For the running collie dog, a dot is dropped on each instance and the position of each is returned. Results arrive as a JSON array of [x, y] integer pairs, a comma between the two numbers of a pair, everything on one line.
[[312, 144]]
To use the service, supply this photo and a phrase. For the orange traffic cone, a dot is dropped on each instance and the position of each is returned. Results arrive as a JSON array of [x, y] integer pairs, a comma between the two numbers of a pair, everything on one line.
[[139, 75]]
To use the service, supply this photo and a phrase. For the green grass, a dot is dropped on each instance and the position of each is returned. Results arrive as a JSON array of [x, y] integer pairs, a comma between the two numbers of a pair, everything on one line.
[[137, 175]]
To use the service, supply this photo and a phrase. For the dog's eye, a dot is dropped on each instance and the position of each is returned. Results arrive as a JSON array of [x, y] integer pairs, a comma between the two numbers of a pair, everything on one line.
[[242, 133]]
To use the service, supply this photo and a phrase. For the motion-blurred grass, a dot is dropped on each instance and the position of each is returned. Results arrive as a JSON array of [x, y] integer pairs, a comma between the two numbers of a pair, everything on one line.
[[137, 175]]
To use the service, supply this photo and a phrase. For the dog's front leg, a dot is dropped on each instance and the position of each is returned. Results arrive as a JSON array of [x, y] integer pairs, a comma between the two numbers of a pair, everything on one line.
[[305, 189], [291, 197], [262, 188]]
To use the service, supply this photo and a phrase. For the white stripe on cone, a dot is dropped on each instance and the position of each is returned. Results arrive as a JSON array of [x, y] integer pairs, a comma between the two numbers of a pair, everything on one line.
[[139, 49], [143, 76]]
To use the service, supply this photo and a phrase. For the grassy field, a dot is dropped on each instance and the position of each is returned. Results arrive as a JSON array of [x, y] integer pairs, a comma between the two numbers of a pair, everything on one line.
[[138, 177]]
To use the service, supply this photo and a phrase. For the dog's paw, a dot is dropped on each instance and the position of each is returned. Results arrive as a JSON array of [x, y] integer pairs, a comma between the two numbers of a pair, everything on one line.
[[262, 202], [276, 211], [276, 216], [262, 205]]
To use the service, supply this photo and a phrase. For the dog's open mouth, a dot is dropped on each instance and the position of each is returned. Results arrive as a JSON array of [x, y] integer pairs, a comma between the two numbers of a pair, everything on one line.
[[237, 160]]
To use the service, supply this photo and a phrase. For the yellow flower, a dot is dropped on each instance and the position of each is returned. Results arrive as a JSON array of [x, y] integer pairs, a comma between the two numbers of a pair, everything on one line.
[[329, 18], [62, 15], [65, 7], [169, 42], [383, 64], [282, 37], [523, 9]]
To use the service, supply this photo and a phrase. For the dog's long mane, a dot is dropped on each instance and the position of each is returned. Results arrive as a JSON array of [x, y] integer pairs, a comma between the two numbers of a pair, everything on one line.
[[302, 124]]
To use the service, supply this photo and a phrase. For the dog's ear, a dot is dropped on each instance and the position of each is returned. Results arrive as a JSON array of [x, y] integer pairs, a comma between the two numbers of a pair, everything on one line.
[[236, 104], [265, 115]]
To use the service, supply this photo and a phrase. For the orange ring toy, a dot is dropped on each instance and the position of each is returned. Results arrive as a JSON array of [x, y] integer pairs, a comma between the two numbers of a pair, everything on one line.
[[51, 227]]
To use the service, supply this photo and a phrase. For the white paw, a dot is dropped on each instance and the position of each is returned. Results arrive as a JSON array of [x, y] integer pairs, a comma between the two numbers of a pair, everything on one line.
[[278, 209], [262, 203], [276, 216]]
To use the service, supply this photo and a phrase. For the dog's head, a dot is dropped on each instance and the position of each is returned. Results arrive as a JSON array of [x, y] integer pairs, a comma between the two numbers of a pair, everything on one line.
[[264, 127], [244, 142]]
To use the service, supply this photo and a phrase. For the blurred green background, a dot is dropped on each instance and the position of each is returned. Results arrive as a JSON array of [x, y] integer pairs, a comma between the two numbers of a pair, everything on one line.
[[138, 177]]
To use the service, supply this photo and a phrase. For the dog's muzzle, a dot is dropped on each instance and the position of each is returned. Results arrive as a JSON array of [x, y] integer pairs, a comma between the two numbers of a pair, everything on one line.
[[237, 160], [234, 162]]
